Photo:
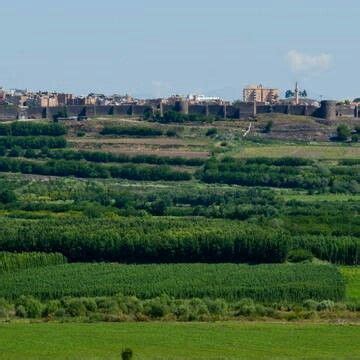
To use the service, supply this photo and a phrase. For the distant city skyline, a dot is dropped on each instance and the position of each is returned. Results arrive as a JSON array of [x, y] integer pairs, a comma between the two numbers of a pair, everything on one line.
[[211, 48]]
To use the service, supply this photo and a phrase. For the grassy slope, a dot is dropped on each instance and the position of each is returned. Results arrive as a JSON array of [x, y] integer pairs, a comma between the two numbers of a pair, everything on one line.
[[179, 341]]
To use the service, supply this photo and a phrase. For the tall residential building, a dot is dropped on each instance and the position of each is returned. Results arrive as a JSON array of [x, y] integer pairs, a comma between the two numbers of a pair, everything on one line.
[[260, 94]]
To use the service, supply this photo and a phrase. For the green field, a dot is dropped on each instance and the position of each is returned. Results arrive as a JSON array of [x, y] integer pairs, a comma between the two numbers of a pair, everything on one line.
[[179, 341], [316, 151], [352, 278]]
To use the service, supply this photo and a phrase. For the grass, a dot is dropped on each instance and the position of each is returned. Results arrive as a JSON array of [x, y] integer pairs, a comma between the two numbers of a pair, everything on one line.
[[179, 341], [352, 278], [303, 196], [318, 151]]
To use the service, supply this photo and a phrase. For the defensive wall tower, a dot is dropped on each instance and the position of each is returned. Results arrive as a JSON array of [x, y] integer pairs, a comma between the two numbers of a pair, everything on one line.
[[182, 106], [328, 110]]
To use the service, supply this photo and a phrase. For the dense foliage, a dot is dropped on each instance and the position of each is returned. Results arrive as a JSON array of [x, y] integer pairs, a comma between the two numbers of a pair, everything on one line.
[[264, 283], [146, 240], [27, 128], [177, 117], [131, 130], [130, 308], [282, 173], [105, 157], [89, 170], [10, 262], [33, 142]]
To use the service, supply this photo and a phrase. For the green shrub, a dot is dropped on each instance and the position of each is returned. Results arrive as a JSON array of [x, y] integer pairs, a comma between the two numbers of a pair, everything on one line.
[[28, 306], [245, 307], [268, 127], [155, 309], [51, 307], [211, 132], [127, 354], [300, 255], [326, 305], [5, 308], [342, 132], [10, 262], [311, 304], [74, 307]]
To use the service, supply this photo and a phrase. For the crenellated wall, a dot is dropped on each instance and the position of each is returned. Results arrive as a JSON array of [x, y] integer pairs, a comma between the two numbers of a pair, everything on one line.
[[328, 110]]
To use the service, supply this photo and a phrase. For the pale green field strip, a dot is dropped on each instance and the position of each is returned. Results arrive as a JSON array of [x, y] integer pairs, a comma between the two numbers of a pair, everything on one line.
[[177, 341], [320, 197], [352, 278], [305, 151]]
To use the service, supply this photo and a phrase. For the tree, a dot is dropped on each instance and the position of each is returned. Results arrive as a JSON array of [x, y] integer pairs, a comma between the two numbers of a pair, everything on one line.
[[357, 100], [268, 126], [342, 132], [7, 196], [289, 94], [126, 354], [60, 114]]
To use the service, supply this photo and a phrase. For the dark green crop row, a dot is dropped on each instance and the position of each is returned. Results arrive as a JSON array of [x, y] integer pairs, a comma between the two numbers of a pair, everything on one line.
[[282, 173], [28, 128], [166, 239], [105, 157], [266, 283], [10, 262], [85, 169], [131, 130], [33, 142]]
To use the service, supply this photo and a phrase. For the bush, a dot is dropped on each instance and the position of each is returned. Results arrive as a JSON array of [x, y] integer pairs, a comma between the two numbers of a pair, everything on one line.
[[127, 354], [28, 306], [268, 127], [20, 311], [74, 307], [15, 151], [5, 308], [212, 132], [310, 304], [342, 132], [171, 133], [156, 309], [7, 197], [300, 255], [326, 305], [51, 307], [245, 307]]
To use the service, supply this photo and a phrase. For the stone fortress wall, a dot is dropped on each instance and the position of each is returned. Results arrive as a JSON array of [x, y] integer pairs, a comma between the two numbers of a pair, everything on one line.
[[328, 110]]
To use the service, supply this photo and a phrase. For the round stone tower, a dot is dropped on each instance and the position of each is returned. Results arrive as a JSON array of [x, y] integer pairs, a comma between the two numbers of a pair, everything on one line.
[[182, 106], [328, 110]]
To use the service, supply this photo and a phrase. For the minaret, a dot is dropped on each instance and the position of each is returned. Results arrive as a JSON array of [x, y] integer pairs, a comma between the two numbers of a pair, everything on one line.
[[296, 94], [254, 105]]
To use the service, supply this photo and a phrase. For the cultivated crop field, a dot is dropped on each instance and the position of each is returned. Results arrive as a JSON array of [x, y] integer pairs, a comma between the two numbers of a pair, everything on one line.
[[265, 283]]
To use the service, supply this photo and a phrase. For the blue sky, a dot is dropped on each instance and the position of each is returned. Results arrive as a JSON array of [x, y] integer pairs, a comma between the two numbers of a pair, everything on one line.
[[158, 48]]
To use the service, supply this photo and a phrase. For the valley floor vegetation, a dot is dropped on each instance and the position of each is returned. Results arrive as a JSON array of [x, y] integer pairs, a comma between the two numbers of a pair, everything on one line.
[[104, 221]]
